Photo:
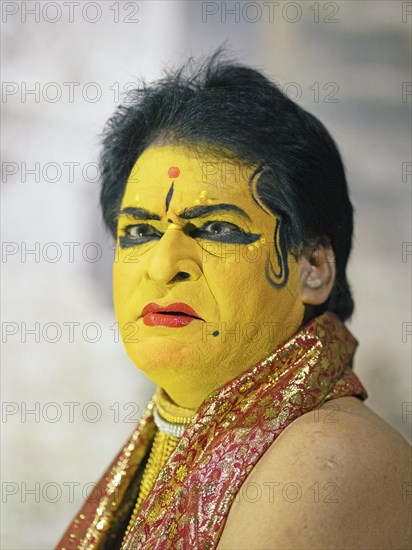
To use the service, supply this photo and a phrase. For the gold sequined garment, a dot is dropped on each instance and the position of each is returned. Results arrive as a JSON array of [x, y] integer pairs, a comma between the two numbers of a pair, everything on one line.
[[175, 419], [190, 499]]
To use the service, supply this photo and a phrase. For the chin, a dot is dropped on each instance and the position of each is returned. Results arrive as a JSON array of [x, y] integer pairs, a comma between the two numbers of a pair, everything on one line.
[[157, 353]]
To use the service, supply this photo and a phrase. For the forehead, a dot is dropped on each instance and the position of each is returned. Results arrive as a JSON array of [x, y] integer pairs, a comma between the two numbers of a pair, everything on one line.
[[190, 170]]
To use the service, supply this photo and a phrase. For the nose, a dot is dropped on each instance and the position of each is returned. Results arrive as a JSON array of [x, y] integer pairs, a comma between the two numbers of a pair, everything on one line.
[[174, 258]]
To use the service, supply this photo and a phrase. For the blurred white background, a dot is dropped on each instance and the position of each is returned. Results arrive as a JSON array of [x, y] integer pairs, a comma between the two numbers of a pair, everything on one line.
[[347, 62]]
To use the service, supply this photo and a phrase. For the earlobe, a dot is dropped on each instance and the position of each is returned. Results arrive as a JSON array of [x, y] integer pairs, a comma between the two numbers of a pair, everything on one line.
[[318, 272]]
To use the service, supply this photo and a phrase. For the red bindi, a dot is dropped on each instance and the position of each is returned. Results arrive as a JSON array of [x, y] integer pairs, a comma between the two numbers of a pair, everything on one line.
[[173, 172]]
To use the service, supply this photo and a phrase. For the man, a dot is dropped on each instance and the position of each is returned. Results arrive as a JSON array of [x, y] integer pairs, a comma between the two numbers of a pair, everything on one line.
[[233, 225]]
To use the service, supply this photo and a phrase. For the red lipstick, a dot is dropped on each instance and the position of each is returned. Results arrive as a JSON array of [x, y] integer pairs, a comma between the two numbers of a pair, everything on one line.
[[174, 315]]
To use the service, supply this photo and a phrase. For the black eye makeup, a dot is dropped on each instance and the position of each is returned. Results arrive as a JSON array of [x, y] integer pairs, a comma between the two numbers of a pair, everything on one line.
[[137, 234], [223, 232], [214, 230]]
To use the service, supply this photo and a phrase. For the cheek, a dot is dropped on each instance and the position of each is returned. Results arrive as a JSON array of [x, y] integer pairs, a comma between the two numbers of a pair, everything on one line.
[[118, 290], [242, 290], [237, 280], [125, 279]]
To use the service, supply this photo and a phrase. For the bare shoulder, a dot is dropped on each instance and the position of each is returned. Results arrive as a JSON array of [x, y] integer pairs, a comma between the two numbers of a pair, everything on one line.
[[337, 477]]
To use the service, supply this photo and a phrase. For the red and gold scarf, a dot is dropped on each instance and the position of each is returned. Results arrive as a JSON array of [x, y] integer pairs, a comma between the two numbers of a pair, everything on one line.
[[189, 502]]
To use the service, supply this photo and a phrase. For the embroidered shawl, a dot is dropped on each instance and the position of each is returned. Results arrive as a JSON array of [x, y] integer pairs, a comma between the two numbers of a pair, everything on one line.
[[192, 495]]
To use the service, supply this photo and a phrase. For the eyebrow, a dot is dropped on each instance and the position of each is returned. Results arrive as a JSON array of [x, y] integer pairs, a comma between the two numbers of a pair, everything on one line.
[[203, 211], [186, 214], [139, 213]]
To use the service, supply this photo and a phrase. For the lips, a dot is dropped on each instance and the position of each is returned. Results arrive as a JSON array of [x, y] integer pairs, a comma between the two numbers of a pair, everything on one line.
[[174, 315]]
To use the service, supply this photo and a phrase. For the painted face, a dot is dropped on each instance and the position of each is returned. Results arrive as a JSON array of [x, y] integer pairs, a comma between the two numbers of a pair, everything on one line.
[[192, 288]]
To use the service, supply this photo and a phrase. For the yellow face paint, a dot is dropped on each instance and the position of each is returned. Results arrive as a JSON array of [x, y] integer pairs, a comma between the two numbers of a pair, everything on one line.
[[193, 301]]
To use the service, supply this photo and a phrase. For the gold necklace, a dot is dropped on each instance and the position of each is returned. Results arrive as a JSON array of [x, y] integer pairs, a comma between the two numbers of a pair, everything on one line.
[[171, 420]]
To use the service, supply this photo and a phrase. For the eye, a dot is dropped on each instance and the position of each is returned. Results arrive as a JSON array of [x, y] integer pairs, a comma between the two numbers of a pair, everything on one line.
[[220, 228], [140, 231], [139, 234], [224, 232]]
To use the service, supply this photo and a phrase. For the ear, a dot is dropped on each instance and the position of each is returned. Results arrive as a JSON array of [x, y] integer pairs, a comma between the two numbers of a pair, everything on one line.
[[318, 272]]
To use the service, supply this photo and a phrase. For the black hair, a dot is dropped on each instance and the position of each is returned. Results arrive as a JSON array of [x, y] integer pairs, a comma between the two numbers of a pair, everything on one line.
[[225, 105]]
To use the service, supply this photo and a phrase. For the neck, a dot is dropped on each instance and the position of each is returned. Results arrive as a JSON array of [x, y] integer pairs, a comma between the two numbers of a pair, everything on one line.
[[170, 410]]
